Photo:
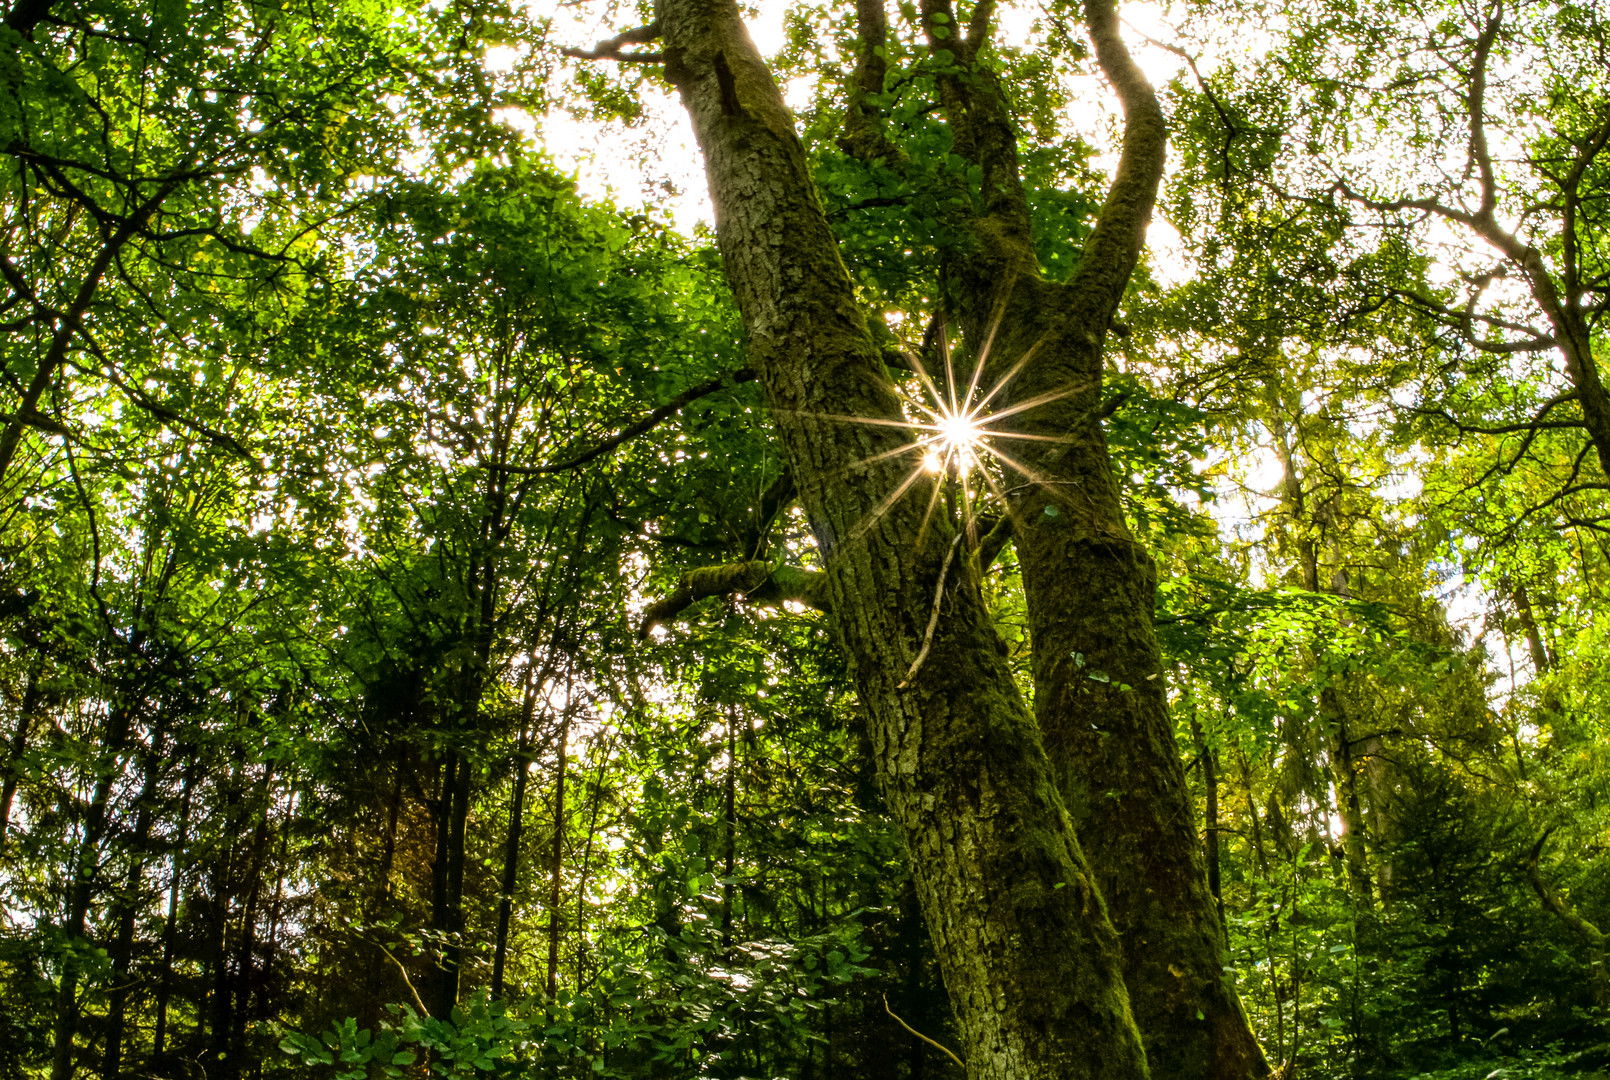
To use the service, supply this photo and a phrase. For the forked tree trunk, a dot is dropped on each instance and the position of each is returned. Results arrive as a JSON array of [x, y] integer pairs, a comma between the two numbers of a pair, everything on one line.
[[1030, 959]]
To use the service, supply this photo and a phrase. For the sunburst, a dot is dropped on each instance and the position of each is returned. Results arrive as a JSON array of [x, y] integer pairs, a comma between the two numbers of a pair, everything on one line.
[[957, 439]]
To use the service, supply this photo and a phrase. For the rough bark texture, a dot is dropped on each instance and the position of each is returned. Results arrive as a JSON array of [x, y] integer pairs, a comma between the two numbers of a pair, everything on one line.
[[1028, 954], [1090, 586]]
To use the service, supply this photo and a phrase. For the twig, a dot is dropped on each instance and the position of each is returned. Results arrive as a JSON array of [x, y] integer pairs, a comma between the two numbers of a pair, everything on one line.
[[937, 1046], [928, 638], [406, 980]]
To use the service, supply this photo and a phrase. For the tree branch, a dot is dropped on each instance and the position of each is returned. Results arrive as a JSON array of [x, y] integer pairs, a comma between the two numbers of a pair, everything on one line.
[[610, 49], [633, 430], [754, 579], [1114, 245]]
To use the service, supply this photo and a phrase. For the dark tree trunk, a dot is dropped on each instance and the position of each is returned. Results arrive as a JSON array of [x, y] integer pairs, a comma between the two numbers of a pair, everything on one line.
[[18, 747], [730, 833], [557, 856], [447, 877], [511, 848], [170, 928], [81, 889], [126, 907], [1208, 759]]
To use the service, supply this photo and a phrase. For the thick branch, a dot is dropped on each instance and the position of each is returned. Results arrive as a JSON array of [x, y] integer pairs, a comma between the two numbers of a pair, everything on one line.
[[753, 579], [1114, 245], [26, 14], [67, 325], [1591, 936], [1476, 101], [610, 49], [863, 137]]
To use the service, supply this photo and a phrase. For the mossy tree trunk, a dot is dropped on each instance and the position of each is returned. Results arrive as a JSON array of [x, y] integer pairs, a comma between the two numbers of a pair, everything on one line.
[[1035, 971], [1030, 959], [1090, 585]]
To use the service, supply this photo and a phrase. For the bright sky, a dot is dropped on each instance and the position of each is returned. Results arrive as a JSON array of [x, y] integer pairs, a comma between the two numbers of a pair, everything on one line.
[[609, 161], [658, 164]]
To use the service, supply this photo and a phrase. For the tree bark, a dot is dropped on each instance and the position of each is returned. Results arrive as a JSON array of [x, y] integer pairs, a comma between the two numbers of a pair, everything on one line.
[[19, 747], [1029, 957], [729, 831], [170, 931], [126, 907], [556, 866], [81, 890], [1090, 587], [511, 850]]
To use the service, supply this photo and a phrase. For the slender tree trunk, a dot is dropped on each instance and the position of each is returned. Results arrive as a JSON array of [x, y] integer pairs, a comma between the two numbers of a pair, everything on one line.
[[1209, 761], [556, 859], [264, 1007], [730, 833], [1332, 707], [170, 927], [1349, 811], [239, 988], [441, 999], [124, 910], [18, 747], [578, 931], [81, 892], [448, 880], [453, 953], [388, 853], [511, 848]]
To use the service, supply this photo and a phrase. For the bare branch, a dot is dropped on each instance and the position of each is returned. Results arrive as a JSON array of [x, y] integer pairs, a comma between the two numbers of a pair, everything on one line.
[[610, 49], [633, 430]]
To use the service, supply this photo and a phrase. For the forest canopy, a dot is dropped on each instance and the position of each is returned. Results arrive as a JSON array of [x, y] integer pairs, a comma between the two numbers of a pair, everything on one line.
[[1085, 562]]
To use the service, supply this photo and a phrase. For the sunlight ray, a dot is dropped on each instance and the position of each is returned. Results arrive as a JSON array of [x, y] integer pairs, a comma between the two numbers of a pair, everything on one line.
[[996, 318], [883, 507], [1005, 380], [927, 515]]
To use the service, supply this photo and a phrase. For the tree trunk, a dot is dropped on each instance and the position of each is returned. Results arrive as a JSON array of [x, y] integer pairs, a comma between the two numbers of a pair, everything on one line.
[[1208, 759], [124, 911], [511, 848], [170, 925], [438, 997], [557, 859], [81, 878], [1030, 959], [447, 908], [19, 746], [729, 832], [1090, 586]]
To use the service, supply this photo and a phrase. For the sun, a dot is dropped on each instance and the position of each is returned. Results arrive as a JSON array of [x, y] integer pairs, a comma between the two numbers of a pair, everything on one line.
[[957, 430], [954, 440]]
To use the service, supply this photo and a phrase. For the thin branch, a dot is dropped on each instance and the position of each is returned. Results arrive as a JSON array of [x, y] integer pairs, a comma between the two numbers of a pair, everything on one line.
[[933, 622], [937, 1046], [406, 980], [610, 49], [633, 430], [754, 579]]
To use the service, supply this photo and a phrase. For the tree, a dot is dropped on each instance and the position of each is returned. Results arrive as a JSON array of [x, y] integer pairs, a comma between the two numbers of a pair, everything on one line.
[[961, 761]]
